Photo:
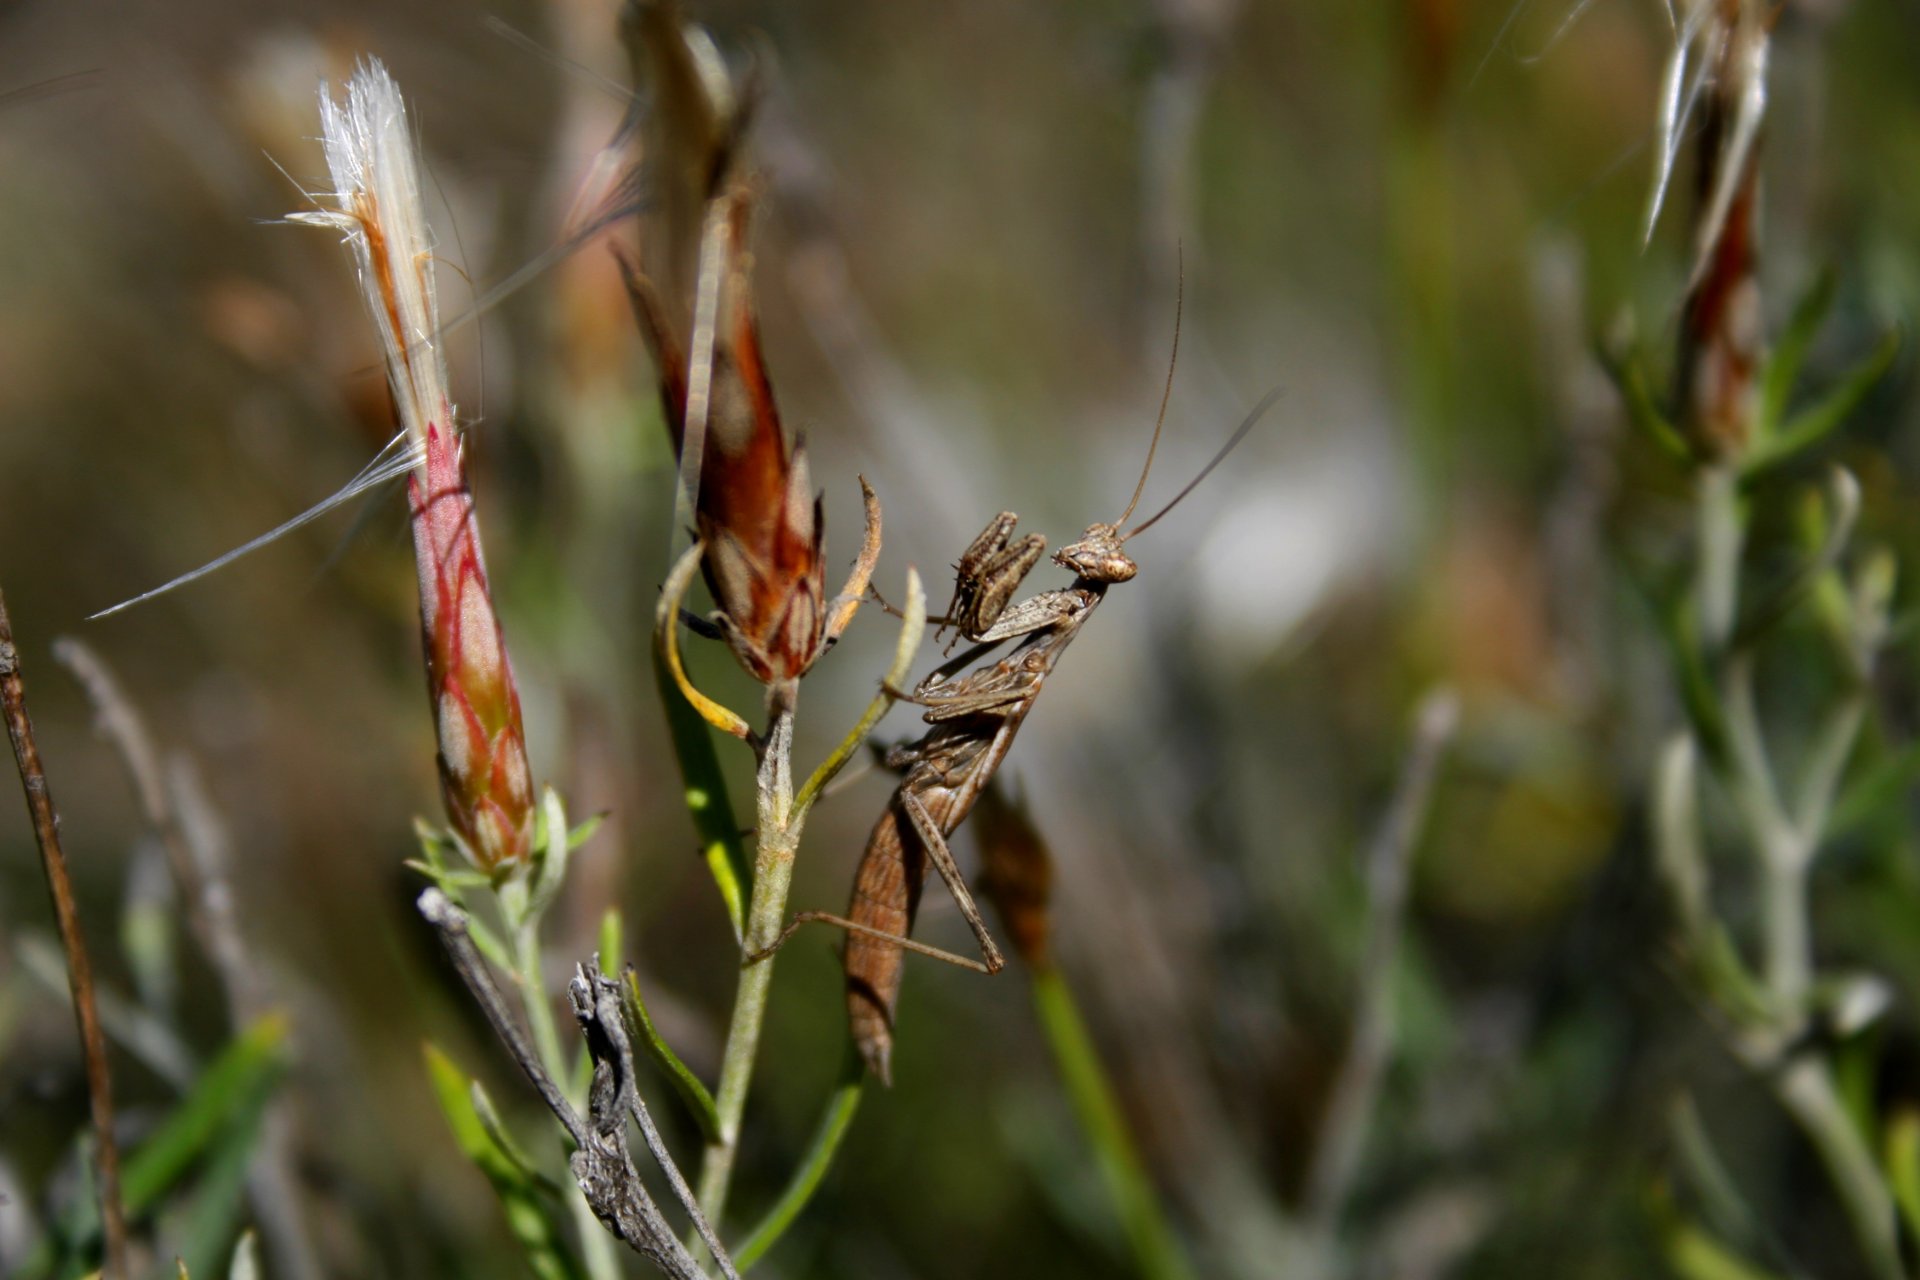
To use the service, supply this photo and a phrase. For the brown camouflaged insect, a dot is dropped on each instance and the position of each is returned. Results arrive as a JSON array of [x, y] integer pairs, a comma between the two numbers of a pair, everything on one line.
[[974, 717]]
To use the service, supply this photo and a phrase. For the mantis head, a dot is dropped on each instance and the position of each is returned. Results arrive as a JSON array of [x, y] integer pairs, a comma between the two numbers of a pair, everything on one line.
[[1097, 555]]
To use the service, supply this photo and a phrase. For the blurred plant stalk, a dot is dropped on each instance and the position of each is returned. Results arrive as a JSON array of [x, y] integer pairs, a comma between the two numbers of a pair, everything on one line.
[[1355, 1095], [1017, 878], [1728, 422]]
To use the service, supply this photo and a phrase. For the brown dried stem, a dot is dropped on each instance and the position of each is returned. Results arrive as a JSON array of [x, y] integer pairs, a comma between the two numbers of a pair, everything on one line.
[[53, 863]]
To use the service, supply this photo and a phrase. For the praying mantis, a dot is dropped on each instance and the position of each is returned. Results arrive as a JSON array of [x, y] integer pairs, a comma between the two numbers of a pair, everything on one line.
[[974, 716]]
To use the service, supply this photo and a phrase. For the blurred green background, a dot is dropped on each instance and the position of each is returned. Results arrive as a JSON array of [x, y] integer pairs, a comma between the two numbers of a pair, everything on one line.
[[1414, 216]]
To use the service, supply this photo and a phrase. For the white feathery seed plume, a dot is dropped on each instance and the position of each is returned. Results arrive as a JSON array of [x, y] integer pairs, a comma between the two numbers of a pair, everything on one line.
[[1713, 52], [377, 207]]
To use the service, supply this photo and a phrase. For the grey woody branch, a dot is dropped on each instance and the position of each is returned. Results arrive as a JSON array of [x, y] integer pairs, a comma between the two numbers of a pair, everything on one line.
[[601, 1164]]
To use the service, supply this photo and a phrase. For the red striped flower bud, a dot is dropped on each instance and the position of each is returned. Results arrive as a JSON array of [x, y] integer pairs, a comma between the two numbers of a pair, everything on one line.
[[483, 749], [484, 777]]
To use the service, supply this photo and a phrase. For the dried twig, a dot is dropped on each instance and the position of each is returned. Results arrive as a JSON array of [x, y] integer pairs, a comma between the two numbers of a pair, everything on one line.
[[614, 1096], [601, 1164], [53, 862]]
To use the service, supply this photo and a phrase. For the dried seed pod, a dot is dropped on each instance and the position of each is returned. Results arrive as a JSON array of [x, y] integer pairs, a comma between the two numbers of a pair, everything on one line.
[[755, 507], [484, 777], [754, 503]]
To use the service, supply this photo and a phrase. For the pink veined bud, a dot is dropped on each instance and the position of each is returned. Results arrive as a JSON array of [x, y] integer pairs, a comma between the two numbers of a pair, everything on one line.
[[483, 750], [484, 776]]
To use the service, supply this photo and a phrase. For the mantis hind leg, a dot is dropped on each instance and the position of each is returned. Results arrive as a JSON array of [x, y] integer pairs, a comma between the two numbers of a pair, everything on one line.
[[992, 964]]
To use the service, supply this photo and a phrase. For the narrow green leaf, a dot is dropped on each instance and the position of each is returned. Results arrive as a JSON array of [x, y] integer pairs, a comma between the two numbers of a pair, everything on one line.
[[1727, 979], [842, 1103], [1790, 353], [1903, 1165], [1695, 1255], [488, 943], [1697, 692], [692, 1091], [1827, 526], [532, 1210], [1821, 419], [496, 1131], [452, 1089], [212, 1218], [705, 794], [233, 1086], [241, 1075], [1629, 375], [1155, 1249], [555, 844], [448, 878], [585, 831], [1669, 599]]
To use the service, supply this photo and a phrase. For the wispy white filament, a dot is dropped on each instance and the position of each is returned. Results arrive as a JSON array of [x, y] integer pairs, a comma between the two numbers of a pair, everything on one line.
[[1706, 47], [376, 205], [398, 458]]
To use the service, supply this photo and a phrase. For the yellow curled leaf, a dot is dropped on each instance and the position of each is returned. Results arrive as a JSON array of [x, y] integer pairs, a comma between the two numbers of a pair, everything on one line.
[[666, 635]]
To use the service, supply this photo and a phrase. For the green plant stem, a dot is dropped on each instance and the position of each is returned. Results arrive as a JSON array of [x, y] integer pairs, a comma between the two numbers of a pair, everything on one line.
[[766, 914], [1152, 1241], [1805, 1088], [1781, 849], [539, 1008], [1783, 845], [781, 817], [1722, 533]]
